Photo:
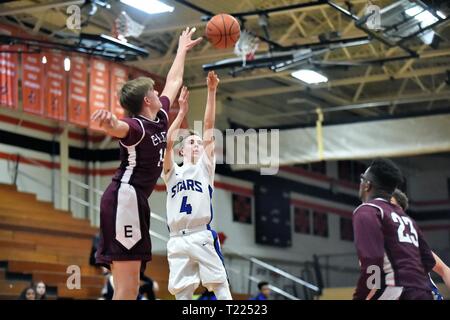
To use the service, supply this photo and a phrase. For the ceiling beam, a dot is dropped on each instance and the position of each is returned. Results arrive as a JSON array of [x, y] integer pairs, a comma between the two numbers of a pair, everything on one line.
[[340, 82], [269, 74], [366, 104], [197, 23]]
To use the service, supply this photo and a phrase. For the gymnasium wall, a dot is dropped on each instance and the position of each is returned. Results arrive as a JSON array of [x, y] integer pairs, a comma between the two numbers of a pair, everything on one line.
[[33, 136]]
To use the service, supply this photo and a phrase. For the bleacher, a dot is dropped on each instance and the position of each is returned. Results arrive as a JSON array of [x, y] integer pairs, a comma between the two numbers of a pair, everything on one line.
[[39, 242]]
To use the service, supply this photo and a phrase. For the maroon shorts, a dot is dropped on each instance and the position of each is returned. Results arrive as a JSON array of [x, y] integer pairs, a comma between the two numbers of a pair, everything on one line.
[[124, 226], [416, 294]]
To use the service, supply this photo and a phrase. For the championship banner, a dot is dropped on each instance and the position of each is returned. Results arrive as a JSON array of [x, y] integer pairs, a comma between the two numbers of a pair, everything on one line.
[[55, 88], [98, 89], [32, 83], [118, 76], [78, 91], [9, 75]]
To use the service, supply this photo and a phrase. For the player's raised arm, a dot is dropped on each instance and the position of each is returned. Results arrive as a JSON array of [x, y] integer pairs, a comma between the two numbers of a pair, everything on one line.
[[210, 114], [442, 269], [173, 130], [369, 242], [109, 122], [174, 78]]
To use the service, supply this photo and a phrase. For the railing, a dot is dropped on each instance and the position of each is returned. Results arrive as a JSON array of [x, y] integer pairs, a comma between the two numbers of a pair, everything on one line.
[[93, 194], [329, 264], [93, 199]]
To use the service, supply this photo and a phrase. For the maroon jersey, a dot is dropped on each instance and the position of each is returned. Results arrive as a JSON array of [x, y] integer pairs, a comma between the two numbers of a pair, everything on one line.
[[388, 240], [142, 150]]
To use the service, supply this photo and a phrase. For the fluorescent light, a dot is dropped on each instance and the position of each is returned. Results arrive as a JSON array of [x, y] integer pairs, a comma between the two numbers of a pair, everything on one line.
[[66, 64], [149, 6], [309, 76], [441, 15], [425, 17], [413, 11], [44, 60]]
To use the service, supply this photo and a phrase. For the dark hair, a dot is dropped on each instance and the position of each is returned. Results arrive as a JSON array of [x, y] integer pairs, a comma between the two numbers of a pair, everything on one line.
[[386, 175], [183, 137], [262, 284], [23, 295], [132, 94], [44, 296], [401, 199]]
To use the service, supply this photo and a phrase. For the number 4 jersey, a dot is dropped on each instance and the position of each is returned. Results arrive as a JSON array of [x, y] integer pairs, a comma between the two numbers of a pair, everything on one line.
[[390, 245], [189, 194]]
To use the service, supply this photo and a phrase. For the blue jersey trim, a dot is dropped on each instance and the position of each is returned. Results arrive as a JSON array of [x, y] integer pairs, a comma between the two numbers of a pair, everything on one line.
[[210, 203]]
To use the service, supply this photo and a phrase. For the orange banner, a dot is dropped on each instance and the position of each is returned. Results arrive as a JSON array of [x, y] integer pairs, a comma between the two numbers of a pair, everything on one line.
[[32, 83], [98, 88], [55, 86], [119, 75], [9, 75], [78, 92]]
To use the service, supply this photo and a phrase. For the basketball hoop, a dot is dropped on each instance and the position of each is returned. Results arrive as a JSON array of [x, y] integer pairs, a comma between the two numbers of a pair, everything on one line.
[[125, 27], [246, 47]]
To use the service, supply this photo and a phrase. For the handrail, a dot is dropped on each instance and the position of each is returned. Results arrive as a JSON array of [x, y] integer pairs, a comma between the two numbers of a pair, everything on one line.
[[159, 236], [158, 217], [276, 270], [72, 180], [272, 287]]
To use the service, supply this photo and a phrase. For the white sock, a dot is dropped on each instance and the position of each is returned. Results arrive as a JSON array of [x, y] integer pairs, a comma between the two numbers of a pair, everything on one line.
[[186, 293], [222, 291]]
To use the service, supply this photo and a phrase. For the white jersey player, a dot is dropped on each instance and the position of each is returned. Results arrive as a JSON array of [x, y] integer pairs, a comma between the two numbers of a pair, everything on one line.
[[193, 249]]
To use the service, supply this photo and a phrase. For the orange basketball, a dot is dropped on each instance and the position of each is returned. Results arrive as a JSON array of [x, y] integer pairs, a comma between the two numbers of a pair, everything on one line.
[[223, 31]]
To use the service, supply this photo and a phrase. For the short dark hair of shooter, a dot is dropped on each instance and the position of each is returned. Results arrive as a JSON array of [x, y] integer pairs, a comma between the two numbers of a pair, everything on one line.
[[385, 174], [262, 284], [401, 199], [183, 137], [132, 94]]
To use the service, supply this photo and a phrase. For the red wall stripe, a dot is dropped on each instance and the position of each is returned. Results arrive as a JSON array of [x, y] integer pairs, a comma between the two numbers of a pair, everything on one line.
[[320, 177], [28, 124], [234, 188], [13, 157], [48, 129]]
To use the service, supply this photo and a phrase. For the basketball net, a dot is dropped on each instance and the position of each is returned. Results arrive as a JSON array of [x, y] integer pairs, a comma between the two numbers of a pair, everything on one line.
[[125, 27], [246, 47]]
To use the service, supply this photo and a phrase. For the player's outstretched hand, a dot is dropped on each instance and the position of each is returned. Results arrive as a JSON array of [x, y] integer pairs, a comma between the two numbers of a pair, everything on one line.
[[105, 119], [212, 80], [185, 42], [183, 100]]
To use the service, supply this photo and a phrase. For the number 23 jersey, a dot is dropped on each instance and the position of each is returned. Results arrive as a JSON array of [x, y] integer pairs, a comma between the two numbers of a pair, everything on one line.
[[189, 194], [387, 237]]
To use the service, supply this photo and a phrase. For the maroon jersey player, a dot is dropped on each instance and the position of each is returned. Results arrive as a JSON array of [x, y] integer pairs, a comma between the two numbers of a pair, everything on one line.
[[395, 260], [125, 244]]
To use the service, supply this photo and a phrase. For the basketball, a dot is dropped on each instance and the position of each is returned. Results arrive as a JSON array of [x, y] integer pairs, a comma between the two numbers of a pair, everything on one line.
[[223, 31]]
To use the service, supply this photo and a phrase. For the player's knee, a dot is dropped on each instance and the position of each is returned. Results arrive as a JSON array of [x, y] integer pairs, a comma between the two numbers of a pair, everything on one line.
[[127, 290]]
